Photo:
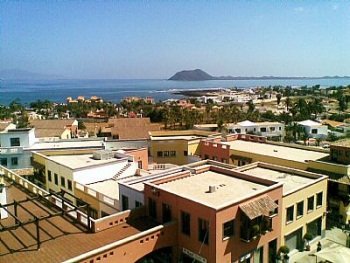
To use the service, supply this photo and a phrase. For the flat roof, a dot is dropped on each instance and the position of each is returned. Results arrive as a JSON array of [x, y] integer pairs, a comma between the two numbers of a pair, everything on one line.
[[176, 137], [282, 152], [79, 160], [66, 144], [229, 189], [110, 187], [291, 181], [61, 238]]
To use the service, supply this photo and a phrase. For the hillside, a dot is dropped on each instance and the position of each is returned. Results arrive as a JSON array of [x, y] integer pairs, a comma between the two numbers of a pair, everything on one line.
[[191, 75]]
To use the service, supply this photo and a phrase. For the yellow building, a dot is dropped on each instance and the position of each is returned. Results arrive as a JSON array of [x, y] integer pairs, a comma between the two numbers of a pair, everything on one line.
[[177, 147], [245, 149], [303, 205]]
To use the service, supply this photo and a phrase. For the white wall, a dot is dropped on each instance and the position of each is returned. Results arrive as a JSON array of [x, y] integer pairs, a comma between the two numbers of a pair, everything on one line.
[[3, 200], [27, 138], [132, 194], [101, 173]]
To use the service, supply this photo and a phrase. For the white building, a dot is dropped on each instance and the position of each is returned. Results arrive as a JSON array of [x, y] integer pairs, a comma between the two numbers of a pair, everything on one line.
[[13, 145], [314, 129], [272, 130], [62, 171]]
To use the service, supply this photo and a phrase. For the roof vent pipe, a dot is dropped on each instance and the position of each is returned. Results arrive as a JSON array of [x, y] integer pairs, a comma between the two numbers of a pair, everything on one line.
[[212, 188]]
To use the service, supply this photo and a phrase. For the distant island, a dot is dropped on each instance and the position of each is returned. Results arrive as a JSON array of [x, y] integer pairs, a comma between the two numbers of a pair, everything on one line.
[[200, 75]]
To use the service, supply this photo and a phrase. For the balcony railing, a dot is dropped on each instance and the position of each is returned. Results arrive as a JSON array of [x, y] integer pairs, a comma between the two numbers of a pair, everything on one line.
[[11, 150]]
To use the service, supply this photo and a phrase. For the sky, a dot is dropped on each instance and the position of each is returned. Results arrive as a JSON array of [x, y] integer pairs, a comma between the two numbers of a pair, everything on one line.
[[155, 39]]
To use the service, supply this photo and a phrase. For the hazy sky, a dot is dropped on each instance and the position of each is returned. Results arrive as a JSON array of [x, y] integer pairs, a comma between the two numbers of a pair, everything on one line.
[[154, 39]]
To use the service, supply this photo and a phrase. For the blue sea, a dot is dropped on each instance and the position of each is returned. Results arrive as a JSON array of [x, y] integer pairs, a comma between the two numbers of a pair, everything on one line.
[[116, 89]]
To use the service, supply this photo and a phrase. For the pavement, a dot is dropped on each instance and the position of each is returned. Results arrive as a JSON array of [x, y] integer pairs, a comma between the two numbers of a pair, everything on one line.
[[334, 238]]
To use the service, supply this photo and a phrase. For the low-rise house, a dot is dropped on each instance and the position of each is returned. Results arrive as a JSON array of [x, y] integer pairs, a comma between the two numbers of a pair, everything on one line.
[[62, 129], [271, 130], [314, 129]]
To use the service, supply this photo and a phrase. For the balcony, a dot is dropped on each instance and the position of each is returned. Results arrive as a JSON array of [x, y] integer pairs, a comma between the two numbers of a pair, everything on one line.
[[253, 229], [11, 150]]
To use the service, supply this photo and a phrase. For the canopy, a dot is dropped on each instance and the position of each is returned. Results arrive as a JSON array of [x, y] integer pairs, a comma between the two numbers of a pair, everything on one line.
[[334, 254], [259, 207]]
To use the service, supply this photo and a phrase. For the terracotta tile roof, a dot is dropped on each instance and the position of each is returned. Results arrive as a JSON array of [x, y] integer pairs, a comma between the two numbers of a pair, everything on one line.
[[3, 125], [333, 123], [50, 128], [259, 207], [61, 238], [133, 128]]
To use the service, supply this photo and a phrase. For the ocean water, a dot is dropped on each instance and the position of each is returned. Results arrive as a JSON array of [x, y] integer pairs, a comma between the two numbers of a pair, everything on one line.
[[115, 89]]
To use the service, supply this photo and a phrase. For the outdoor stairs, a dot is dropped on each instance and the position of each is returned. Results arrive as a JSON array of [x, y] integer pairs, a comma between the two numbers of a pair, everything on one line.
[[121, 171]]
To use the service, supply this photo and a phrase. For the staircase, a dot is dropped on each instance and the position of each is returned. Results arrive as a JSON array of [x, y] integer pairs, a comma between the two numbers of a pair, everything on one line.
[[121, 171]]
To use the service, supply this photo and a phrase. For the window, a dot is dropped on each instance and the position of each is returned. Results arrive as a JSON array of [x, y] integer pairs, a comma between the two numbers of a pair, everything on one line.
[[263, 129], [3, 161], [166, 213], [69, 184], [166, 154], [203, 230], [206, 156], [238, 130], [186, 223], [314, 131], [152, 208], [159, 154], [186, 153], [49, 175], [63, 181], [272, 128], [125, 202], [300, 209], [138, 204], [228, 229], [310, 203], [290, 214], [15, 142], [319, 200], [14, 161], [275, 212], [172, 153], [56, 179], [280, 128]]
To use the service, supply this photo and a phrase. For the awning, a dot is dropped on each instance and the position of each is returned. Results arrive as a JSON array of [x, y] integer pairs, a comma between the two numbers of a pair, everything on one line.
[[259, 207], [334, 254]]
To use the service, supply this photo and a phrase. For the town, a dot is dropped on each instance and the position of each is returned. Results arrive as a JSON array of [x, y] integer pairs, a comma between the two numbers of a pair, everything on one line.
[[222, 175]]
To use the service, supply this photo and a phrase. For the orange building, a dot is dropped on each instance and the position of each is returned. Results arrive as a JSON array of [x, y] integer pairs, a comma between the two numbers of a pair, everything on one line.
[[222, 215]]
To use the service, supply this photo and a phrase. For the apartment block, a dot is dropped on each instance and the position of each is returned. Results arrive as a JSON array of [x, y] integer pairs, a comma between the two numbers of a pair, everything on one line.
[[304, 203], [215, 222]]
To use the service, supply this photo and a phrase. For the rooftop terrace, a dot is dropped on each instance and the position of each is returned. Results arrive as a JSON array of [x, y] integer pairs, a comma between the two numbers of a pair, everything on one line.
[[79, 160], [61, 238], [230, 187], [292, 179], [277, 151]]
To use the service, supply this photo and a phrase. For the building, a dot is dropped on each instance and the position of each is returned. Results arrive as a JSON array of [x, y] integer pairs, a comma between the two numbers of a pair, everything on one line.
[[304, 205], [215, 223], [132, 128], [91, 176], [13, 147], [245, 149], [177, 147], [314, 129], [49, 129], [131, 190], [271, 130]]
